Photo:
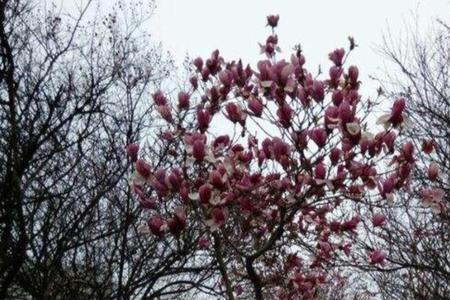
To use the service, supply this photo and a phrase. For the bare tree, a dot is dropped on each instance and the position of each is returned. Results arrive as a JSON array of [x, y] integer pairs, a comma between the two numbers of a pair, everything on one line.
[[418, 238], [71, 95]]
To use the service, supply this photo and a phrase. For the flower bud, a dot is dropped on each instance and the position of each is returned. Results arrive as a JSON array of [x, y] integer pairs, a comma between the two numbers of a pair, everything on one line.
[[133, 150], [272, 20], [433, 171], [183, 100], [377, 257], [255, 106], [353, 73], [378, 220], [198, 63], [143, 168], [198, 150], [337, 56]]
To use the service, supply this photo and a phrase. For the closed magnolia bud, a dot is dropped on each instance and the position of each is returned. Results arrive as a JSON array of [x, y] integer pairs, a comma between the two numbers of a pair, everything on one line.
[[353, 74], [387, 187], [335, 155], [320, 171], [345, 112], [205, 74], [272, 20], [335, 73], [165, 112], [398, 107], [159, 98], [389, 140], [433, 171], [198, 63], [198, 150], [132, 150], [319, 136], [183, 100], [203, 119], [408, 151], [204, 193], [156, 225], [194, 82], [143, 168], [428, 146], [285, 114], [337, 97], [318, 91], [255, 106]]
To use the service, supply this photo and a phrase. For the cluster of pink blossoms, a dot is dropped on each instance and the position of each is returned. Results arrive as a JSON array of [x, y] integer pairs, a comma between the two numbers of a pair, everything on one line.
[[267, 195]]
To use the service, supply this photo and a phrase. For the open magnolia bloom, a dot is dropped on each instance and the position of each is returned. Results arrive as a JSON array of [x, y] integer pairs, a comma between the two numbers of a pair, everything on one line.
[[275, 209]]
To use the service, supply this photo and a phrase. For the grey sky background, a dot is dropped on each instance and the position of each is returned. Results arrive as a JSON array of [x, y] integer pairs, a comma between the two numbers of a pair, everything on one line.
[[196, 27]]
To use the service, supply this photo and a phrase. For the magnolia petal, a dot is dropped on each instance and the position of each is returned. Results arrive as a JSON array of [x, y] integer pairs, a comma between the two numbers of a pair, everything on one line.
[[266, 83]]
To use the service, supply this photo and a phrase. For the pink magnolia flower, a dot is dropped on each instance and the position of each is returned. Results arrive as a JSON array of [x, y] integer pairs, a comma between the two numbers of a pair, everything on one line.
[[199, 150], [377, 257], [194, 82], [387, 187], [133, 150], [285, 113], [319, 136], [433, 171], [433, 196], [351, 224], [318, 90], [337, 56], [159, 98], [165, 112], [235, 113], [353, 73], [337, 97], [320, 171], [408, 151], [272, 20], [143, 168], [335, 155], [396, 117], [198, 63], [205, 193], [221, 141], [255, 106], [428, 146], [183, 100], [178, 222], [215, 178], [203, 119], [378, 220], [219, 216], [157, 225]]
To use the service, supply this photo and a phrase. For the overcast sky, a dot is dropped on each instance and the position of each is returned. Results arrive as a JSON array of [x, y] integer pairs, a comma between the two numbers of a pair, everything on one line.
[[196, 27]]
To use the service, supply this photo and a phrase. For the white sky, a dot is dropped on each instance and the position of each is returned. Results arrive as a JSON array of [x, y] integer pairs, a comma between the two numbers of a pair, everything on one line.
[[196, 27]]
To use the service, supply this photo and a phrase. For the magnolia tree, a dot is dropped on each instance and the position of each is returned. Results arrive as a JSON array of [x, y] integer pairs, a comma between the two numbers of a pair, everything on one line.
[[274, 174]]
